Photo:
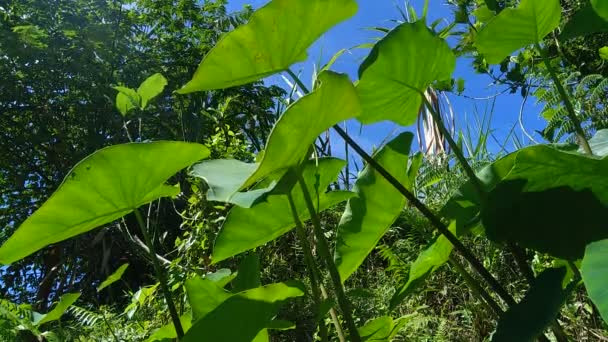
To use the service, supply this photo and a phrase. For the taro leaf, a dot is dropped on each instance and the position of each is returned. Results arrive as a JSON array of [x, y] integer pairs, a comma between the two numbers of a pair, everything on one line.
[[528, 319], [375, 208], [435, 256], [398, 70], [168, 331], [584, 22], [224, 178], [126, 100], [245, 229], [103, 187], [64, 303], [114, 277], [276, 37], [221, 277], [151, 88], [595, 274], [599, 143], [553, 201], [601, 7], [204, 295], [382, 329], [248, 276], [335, 100], [242, 316], [515, 28]]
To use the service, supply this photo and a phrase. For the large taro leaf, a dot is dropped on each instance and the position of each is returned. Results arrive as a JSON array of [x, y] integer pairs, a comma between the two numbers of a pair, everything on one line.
[[276, 36], [528, 319], [584, 22], [601, 7], [515, 28], [433, 257], [103, 187], [335, 100], [552, 201], [247, 228], [224, 177], [375, 208], [398, 70], [242, 316], [595, 274]]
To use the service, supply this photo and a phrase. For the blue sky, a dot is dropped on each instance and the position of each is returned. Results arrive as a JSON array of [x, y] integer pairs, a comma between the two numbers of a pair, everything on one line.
[[373, 13]]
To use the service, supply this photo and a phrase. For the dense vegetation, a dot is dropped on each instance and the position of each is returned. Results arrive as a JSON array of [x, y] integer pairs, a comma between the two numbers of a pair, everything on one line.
[[153, 188]]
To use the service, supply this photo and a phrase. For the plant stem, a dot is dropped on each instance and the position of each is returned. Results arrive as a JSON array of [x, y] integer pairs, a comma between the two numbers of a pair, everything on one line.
[[435, 221], [578, 128], [310, 263], [161, 276], [476, 288], [457, 151], [331, 266]]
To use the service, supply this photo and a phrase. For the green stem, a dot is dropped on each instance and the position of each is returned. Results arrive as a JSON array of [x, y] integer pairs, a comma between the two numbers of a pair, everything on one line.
[[310, 263], [435, 221], [103, 315], [578, 128], [457, 151], [476, 288], [161, 276], [329, 262]]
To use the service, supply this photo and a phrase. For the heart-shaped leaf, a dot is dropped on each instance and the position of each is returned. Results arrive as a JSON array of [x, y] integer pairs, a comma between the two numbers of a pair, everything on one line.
[[595, 274], [334, 101], [103, 187], [245, 229], [515, 28], [276, 36], [375, 208], [398, 70]]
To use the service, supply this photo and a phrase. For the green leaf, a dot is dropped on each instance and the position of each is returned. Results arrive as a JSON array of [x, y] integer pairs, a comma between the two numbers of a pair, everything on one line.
[[601, 7], [584, 22], [281, 325], [241, 317], [375, 208], [435, 256], [224, 178], [103, 187], [514, 29], [126, 100], [493, 5], [604, 53], [151, 88], [382, 329], [204, 295], [398, 70], [552, 201], [245, 229], [599, 143], [334, 101], [595, 275], [114, 277], [529, 318], [64, 303], [248, 276], [276, 37], [168, 331]]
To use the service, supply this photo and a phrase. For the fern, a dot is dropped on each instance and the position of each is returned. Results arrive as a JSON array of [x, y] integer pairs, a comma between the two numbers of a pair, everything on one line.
[[85, 317]]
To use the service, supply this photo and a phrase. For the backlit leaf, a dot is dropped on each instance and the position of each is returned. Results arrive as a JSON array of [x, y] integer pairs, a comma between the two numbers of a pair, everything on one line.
[[103, 187], [515, 28], [604, 53], [599, 143], [530, 317], [382, 329], [151, 88], [126, 100], [247, 228], [595, 274], [276, 36], [584, 22], [334, 101], [241, 317], [375, 208], [64, 303], [114, 277], [168, 330], [399, 68]]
